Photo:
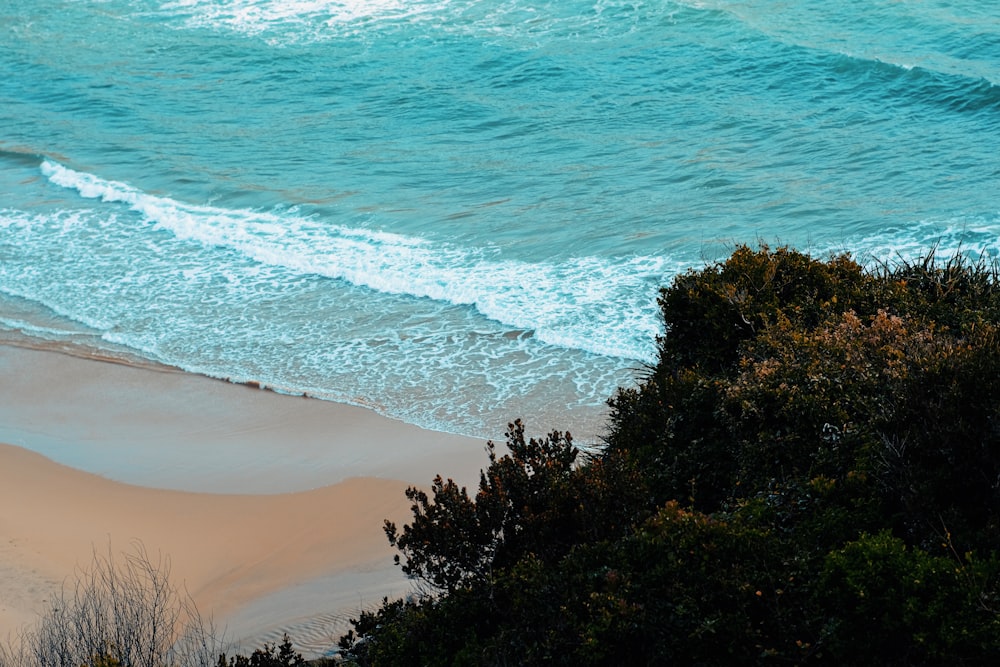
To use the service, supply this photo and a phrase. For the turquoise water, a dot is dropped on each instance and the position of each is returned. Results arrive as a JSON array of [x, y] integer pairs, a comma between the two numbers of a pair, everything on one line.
[[458, 212]]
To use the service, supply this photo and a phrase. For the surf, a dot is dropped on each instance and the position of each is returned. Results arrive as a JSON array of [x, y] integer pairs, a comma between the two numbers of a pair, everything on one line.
[[564, 304]]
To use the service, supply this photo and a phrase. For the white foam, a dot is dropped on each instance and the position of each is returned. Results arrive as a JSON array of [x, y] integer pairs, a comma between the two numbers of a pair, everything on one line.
[[973, 236], [15, 218], [281, 22], [599, 305], [604, 306], [37, 330], [254, 17]]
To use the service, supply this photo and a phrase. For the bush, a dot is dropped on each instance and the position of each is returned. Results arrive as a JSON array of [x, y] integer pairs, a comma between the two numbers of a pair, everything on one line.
[[282, 655], [809, 474], [125, 612], [455, 542], [121, 612], [891, 604]]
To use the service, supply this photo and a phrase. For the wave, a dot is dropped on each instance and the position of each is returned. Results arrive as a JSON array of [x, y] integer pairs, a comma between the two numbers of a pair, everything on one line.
[[912, 55], [977, 237], [37, 331], [282, 22], [599, 305], [920, 85], [304, 19]]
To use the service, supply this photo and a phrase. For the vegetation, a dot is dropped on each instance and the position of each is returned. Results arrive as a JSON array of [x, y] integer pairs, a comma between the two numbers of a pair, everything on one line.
[[810, 473], [125, 612], [121, 613], [282, 655]]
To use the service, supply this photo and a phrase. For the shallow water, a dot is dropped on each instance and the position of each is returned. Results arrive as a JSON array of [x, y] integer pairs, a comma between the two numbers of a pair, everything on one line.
[[458, 212]]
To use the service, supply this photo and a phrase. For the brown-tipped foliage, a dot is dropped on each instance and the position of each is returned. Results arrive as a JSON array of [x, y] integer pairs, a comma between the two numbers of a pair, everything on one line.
[[898, 389], [809, 474], [709, 314]]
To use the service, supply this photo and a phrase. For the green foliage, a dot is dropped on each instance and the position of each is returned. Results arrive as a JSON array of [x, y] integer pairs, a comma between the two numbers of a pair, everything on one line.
[[897, 605], [455, 542], [282, 655], [809, 474], [684, 587], [710, 313]]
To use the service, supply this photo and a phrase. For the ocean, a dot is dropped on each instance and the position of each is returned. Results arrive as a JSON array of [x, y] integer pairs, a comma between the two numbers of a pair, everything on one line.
[[459, 212]]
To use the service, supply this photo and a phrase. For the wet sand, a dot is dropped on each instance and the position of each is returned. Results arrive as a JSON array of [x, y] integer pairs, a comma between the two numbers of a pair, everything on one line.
[[270, 507]]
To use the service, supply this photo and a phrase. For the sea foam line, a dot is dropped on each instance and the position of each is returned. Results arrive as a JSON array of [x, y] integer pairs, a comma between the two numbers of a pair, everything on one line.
[[282, 22], [598, 305], [253, 17]]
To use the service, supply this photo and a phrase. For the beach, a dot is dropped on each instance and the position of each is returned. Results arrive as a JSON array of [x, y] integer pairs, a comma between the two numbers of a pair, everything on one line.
[[380, 224], [269, 507]]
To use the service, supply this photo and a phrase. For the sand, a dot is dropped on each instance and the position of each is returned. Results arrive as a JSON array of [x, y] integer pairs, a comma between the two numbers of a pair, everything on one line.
[[168, 429], [269, 507]]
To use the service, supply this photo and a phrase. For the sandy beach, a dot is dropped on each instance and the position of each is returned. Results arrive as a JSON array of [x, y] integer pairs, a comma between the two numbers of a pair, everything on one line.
[[269, 507]]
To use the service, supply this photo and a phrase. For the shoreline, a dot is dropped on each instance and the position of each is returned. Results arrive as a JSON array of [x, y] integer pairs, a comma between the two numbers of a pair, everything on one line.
[[229, 552], [169, 429], [269, 506]]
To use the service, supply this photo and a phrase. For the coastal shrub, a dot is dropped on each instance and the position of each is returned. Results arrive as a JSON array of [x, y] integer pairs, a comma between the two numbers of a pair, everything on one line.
[[124, 611], [708, 314], [282, 655], [810, 474], [684, 587], [896, 399], [891, 604], [455, 541]]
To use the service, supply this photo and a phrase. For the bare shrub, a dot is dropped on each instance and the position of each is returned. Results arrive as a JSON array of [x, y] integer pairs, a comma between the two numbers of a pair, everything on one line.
[[124, 611]]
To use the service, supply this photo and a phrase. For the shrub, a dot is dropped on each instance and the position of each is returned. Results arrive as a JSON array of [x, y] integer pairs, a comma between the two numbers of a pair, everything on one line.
[[522, 505], [890, 604], [282, 655], [122, 612], [125, 612], [809, 474]]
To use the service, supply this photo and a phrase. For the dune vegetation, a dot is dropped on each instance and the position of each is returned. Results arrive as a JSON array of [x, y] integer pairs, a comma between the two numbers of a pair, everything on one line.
[[809, 473]]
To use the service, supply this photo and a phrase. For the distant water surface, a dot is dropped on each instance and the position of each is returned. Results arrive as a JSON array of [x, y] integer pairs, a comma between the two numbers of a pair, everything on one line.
[[458, 212]]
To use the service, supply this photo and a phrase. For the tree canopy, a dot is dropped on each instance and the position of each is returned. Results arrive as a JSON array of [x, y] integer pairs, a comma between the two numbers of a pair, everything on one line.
[[809, 473]]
